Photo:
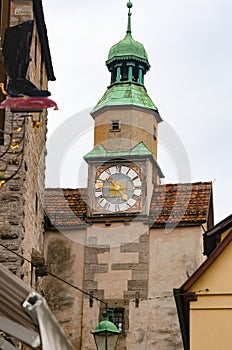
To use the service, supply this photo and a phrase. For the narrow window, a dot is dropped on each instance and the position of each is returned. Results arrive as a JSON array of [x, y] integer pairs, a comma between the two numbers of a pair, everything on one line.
[[2, 125], [115, 125], [154, 133], [117, 317], [36, 203]]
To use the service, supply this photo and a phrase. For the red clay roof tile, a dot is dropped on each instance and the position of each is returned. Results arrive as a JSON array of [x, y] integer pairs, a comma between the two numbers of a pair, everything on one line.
[[184, 204]]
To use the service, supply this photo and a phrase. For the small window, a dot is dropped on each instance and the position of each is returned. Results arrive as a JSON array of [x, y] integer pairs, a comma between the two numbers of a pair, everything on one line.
[[117, 317], [115, 125]]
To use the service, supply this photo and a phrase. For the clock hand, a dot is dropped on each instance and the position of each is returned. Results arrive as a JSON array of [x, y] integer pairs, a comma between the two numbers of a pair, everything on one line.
[[124, 195], [101, 185], [116, 188], [98, 185]]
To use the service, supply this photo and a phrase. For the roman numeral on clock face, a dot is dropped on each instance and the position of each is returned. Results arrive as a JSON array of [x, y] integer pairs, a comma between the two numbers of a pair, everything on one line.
[[118, 188], [98, 193], [118, 168], [116, 207], [108, 171], [107, 206]]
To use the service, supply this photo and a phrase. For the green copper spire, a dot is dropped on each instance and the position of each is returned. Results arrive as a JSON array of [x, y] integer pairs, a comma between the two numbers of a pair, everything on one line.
[[129, 5], [128, 48], [128, 63]]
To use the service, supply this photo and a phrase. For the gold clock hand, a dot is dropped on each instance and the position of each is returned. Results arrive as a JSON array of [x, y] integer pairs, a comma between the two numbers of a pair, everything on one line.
[[124, 195], [116, 187], [98, 185]]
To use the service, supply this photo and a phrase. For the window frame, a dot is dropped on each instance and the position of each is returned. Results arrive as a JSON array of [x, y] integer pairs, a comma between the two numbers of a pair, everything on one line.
[[115, 125], [117, 316]]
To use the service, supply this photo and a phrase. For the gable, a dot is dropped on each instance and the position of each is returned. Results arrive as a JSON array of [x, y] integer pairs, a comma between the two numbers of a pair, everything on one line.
[[217, 277]]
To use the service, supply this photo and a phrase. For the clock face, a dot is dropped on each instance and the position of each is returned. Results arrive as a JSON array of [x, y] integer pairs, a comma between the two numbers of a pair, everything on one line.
[[118, 188]]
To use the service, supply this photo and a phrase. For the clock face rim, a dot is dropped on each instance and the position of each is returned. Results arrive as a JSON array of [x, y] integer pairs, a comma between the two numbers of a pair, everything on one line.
[[123, 183]]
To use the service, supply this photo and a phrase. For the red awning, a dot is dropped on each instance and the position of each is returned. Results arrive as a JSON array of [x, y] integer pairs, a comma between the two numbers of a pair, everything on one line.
[[28, 104]]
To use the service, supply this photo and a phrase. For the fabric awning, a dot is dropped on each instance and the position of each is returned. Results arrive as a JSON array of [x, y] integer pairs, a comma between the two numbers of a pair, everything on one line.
[[24, 314]]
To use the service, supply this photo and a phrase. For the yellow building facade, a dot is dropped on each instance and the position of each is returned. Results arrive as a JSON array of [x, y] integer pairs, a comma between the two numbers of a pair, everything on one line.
[[204, 301]]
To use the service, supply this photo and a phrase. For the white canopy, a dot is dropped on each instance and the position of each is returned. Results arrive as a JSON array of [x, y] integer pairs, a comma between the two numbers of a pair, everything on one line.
[[24, 314]]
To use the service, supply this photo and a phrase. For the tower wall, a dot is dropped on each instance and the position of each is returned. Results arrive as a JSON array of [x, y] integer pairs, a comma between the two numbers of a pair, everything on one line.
[[118, 260], [135, 125]]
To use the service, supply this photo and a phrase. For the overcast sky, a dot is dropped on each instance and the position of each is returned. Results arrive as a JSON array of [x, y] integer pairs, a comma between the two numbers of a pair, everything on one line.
[[190, 52]]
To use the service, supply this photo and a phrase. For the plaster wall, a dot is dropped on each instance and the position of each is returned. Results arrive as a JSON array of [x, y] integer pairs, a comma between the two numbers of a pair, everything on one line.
[[215, 278], [167, 259], [224, 234], [65, 255], [173, 256], [127, 137], [115, 260], [91, 320], [211, 329], [211, 313]]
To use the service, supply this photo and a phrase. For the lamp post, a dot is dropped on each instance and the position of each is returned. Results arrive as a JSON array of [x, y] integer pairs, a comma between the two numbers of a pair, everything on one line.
[[106, 334]]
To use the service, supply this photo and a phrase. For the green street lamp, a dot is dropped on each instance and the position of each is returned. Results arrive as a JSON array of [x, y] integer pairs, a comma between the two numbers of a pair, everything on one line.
[[106, 334]]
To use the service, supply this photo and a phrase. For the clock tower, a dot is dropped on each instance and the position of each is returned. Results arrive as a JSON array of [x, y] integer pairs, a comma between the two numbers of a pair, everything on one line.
[[123, 165], [126, 240]]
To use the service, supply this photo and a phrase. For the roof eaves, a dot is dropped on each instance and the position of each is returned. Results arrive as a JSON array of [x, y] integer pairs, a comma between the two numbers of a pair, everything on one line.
[[57, 227], [220, 227], [42, 31], [174, 224]]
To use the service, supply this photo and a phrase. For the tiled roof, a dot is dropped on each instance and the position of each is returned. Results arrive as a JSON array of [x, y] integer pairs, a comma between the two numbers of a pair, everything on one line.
[[65, 207], [182, 204]]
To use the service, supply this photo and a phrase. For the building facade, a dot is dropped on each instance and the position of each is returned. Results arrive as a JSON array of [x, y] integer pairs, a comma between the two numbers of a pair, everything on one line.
[[23, 137], [124, 242], [204, 300]]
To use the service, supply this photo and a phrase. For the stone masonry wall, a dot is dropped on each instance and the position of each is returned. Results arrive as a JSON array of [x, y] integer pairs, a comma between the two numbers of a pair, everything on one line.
[[114, 272], [22, 213]]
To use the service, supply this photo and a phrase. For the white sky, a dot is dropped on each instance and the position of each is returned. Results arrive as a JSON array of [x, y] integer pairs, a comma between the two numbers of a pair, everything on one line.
[[190, 52]]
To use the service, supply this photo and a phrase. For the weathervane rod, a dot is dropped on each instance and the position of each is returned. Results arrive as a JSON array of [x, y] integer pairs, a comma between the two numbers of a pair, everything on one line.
[[129, 5]]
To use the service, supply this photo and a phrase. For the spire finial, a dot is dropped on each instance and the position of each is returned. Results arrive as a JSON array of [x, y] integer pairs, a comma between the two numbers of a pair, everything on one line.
[[129, 5]]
